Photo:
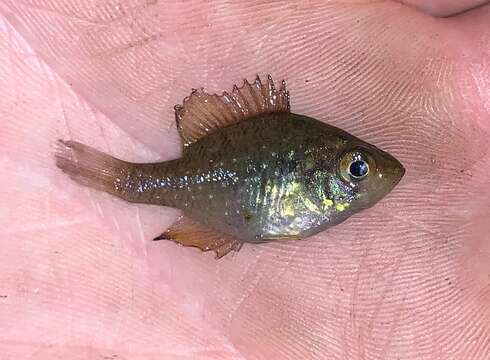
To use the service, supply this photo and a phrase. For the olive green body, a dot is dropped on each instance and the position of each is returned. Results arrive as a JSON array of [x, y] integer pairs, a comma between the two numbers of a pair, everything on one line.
[[270, 177]]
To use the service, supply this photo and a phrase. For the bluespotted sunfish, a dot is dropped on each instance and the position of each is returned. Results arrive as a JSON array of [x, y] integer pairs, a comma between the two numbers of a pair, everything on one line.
[[250, 171]]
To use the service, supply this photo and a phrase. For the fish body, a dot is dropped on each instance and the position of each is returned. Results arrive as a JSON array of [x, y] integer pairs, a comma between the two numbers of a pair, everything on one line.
[[263, 175]]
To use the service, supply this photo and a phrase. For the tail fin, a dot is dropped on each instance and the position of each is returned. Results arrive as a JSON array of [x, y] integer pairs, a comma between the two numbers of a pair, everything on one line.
[[88, 166]]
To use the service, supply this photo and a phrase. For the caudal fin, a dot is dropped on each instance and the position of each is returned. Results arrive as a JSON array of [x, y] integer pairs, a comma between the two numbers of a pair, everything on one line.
[[88, 166]]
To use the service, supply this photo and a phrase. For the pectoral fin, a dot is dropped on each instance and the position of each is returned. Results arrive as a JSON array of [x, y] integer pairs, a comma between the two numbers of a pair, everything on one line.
[[190, 233]]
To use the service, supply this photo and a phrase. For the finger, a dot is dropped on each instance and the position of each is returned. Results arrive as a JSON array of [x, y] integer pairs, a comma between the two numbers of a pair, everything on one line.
[[471, 29], [474, 27], [444, 7], [67, 284], [381, 72]]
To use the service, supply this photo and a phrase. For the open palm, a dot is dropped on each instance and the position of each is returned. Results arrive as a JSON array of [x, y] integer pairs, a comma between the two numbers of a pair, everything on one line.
[[79, 276]]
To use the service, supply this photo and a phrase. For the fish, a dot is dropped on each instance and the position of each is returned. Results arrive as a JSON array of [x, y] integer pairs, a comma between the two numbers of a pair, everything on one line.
[[251, 171]]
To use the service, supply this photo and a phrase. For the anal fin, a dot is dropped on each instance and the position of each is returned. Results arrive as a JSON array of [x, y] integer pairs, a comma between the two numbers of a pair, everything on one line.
[[187, 232]]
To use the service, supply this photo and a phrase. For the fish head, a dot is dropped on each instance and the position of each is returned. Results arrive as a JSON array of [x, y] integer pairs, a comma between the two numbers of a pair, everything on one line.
[[367, 174]]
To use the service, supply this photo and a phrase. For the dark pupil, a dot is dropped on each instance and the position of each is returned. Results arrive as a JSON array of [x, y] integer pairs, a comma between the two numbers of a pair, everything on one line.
[[358, 168]]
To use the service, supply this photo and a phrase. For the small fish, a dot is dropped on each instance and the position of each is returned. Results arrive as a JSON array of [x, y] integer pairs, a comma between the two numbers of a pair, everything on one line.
[[251, 171]]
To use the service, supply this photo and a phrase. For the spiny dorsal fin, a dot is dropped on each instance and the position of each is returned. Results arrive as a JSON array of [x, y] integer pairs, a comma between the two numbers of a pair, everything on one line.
[[202, 113], [187, 232]]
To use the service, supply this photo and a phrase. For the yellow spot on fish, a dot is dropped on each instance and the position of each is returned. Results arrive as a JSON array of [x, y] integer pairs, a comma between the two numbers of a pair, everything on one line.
[[288, 210], [272, 190], [341, 206], [327, 203], [310, 205], [295, 186]]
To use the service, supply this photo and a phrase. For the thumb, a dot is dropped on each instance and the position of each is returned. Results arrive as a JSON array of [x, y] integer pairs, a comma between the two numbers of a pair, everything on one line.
[[444, 8]]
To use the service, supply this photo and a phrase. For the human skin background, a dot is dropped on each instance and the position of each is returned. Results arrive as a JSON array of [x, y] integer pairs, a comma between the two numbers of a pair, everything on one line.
[[407, 279]]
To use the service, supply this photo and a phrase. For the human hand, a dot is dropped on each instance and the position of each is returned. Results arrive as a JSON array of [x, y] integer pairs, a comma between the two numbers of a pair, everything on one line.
[[407, 279]]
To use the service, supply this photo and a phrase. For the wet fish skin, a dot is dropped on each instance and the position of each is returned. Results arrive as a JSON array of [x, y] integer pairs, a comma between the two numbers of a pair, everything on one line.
[[279, 178], [275, 175]]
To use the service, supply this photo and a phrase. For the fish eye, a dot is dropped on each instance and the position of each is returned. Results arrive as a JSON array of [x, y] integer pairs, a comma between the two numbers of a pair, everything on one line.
[[358, 169], [355, 165]]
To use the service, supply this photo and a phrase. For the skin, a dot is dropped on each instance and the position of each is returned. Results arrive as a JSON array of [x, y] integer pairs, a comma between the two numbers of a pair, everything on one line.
[[274, 176], [408, 279], [286, 168]]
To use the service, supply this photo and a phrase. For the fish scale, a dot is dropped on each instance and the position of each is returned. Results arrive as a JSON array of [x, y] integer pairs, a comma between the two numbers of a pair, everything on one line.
[[251, 171]]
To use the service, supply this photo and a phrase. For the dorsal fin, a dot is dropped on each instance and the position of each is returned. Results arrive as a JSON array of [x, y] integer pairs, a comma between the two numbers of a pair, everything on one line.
[[202, 113]]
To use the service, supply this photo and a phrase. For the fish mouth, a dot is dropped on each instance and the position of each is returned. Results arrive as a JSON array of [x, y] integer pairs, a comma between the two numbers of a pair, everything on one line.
[[394, 170], [398, 173], [391, 173]]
